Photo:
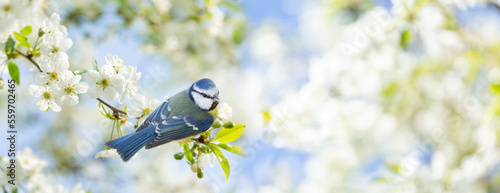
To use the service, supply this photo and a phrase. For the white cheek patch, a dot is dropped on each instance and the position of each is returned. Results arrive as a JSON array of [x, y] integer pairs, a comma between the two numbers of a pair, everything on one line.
[[211, 92], [201, 101]]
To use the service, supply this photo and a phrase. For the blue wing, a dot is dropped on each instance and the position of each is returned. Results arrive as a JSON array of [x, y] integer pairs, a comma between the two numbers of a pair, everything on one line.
[[157, 116], [179, 127]]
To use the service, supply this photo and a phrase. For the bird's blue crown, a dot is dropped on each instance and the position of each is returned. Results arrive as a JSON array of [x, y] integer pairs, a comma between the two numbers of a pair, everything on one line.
[[204, 85]]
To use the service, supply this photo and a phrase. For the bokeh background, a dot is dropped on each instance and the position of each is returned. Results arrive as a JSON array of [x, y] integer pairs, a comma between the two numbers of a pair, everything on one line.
[[336, 96]]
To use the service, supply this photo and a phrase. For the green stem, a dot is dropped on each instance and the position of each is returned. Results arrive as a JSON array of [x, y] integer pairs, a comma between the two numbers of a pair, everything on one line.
[[36, 43], [112, 131], [119, 128]]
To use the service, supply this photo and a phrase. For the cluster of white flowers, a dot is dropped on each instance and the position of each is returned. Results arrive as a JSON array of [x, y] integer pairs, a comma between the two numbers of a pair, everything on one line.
[[17, 13], [56, 85], [112, 78], [30, 175]]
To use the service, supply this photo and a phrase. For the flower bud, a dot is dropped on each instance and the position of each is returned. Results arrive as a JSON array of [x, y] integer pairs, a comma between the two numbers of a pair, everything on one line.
[[217, 124], [195, 153], [229, 125], [204, 149], [199, 173], [41, 32], [2, 83], [179, 155]]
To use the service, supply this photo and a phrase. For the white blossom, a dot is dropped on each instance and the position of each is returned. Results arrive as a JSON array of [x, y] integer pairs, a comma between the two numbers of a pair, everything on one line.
[[202, 160], [68, 87], [52, 69], [51, 26], [224, 111], [109, 153], [105, 81], [56, 44], [129, 87], [143, 107], [47, 97]]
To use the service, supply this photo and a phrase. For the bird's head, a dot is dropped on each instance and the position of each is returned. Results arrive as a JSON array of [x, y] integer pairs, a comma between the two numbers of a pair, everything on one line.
[[205, 94]]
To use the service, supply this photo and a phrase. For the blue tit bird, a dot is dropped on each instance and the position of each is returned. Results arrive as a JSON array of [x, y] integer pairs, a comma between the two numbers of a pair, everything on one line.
[[182, 116]]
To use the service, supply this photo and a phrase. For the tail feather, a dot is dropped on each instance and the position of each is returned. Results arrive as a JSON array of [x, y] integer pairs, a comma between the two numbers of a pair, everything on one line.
[[128, 145]]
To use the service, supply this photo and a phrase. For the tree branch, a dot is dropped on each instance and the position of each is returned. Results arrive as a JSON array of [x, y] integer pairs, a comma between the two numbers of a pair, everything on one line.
[[494, 5], [115, 110], [30, 58]]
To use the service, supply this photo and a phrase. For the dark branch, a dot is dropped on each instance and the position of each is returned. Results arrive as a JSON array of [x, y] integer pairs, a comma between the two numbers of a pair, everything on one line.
[[111, 107], [496, 6], [30, 58]]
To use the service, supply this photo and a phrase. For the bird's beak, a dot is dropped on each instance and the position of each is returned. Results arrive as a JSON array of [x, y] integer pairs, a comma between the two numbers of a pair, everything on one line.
[[216, 98]]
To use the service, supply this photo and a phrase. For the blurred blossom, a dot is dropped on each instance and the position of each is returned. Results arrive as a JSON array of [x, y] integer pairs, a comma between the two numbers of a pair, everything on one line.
[[109, 153], [224, 111]]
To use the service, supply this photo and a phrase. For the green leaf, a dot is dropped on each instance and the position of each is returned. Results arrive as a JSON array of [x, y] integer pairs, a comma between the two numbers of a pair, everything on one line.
[[405, 38], [239, 33], [26, 30], [222, 160], [495, 88], [13, 71], [267, 115], [231, 5], [233, 149], [94, 61], [227, 135], [10, 45], [15, 190], [80, 72], [394, 167], [187, 153], [23, 41]]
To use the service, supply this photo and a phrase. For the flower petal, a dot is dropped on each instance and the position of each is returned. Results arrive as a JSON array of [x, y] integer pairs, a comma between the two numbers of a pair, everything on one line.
[[123, 95], [80, 88], [75, 80], [42, 104], [54, 20], [66, 44], [34, 90], [109, 59], [140, 100], [95, 91], [94, 76], [71, 99], [107, 71], [117, 81], [111, 93], [54, 106]]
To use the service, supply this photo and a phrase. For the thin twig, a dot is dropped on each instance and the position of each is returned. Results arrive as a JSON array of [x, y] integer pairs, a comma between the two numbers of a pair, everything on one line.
[[20, 185], [30, 58], [111, 107], [494, 5]]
